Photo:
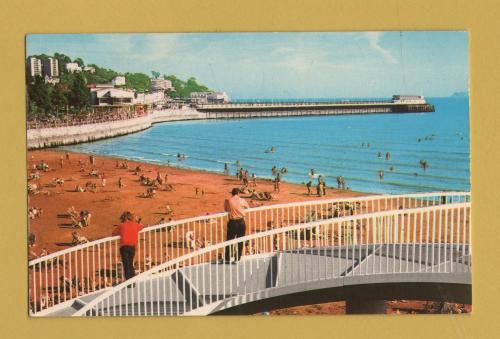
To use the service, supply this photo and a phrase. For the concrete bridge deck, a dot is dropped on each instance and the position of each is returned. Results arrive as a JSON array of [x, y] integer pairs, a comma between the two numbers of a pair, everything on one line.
[[295, 277]]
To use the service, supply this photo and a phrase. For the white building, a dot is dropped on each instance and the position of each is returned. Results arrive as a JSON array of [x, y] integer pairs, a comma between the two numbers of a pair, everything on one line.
[[73, 67], [209, 97], [34, 66], [105, 96], [51, 67], [118, 80], [150, 98], [408, 99], [218, 98], [89, 69], [161, 84], [49, 80]]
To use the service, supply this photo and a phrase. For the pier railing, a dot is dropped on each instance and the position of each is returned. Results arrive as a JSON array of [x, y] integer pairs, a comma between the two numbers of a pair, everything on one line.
[[436, 238], [84, 269]]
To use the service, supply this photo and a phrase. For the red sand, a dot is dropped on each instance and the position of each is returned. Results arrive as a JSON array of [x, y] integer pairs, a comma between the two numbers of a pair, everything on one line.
[[107, 203]]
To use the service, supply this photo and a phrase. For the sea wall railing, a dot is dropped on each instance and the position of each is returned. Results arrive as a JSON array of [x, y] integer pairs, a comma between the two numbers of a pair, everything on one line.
[[436, 238], [84, 269]]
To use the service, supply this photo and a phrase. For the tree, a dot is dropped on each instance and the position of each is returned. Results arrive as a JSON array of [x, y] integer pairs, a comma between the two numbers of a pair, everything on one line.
[[184, 89], [62, 60], [58, 98], [38, 94], [138, 81], [79, 95], [101, 75], [80, 62], [155, 74]]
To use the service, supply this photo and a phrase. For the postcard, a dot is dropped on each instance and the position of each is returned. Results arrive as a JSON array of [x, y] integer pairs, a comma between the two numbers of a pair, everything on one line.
[[195, 174]]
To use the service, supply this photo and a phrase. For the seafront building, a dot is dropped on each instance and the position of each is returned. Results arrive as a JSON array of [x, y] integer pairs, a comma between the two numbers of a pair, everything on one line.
[[105, 96], [150, 98], [34, 66], [209, 97], [161, 84]]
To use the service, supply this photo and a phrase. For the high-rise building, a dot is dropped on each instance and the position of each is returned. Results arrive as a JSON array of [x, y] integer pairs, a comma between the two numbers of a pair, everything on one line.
[[51, 67], [34, 66]]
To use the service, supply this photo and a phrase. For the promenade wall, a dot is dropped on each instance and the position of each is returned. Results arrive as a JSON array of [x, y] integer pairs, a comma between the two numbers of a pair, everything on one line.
[[57, 136]]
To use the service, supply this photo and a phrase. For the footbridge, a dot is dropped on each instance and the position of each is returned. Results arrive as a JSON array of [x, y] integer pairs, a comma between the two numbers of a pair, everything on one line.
[[358, 249]]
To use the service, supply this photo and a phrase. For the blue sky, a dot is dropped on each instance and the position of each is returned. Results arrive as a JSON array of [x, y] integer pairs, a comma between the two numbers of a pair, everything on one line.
[[283, 65]]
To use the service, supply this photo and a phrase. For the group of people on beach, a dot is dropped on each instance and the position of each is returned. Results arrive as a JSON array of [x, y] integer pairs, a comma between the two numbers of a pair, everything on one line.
[[116, 114]]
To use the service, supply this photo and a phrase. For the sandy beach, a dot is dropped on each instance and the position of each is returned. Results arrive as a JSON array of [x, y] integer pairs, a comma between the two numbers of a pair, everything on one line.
[[53, 229]]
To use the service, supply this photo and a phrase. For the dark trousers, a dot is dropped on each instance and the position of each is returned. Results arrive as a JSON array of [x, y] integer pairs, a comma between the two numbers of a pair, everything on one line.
[[235, 229], [127, 253]]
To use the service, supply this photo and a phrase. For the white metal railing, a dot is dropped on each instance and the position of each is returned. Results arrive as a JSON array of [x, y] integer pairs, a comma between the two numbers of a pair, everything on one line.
[[84, 269], [433, 239]]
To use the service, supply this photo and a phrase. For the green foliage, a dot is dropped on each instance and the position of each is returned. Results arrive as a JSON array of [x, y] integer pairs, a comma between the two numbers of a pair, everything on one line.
[[183, 89], [79, 96], [138, 81], [101, 75], [80, 62], [58, 98], [38, 95], [45, 99], [62, 60]]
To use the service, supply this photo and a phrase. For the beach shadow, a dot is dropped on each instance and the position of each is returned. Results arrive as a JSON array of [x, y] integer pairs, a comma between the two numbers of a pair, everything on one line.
[[109, 273], [65, 225], [304, 194], [175, 245], [63, 216], [65, 244]]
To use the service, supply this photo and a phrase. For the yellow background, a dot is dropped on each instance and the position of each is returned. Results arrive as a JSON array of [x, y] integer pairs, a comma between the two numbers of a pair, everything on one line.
[[480, 18]]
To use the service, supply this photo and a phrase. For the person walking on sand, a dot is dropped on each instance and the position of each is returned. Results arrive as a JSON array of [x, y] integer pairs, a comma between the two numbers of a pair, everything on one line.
[[120, 183], [277, 181], [254, 179], [128, 231], [61, 162], [235, 206], [103, 180], [308, 185]]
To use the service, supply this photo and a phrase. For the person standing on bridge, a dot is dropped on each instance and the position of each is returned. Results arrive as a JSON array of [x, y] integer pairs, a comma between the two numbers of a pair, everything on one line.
[[128, 231], [235, 206]]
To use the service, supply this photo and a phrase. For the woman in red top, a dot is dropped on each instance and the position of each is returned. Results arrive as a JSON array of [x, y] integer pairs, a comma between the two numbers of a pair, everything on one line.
[[128, 231]]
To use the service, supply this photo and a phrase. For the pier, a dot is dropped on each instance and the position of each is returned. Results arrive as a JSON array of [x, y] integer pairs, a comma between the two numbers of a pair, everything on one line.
[[398, 104]]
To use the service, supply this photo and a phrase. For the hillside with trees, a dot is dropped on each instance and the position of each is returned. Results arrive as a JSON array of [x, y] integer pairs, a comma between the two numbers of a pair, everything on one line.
[[72, 95]]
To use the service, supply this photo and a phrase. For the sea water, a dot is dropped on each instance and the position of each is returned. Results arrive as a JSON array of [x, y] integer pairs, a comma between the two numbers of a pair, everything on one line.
[[331, 145]]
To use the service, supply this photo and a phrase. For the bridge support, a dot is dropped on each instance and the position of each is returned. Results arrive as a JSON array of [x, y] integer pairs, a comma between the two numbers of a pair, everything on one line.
[[364, 306]]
